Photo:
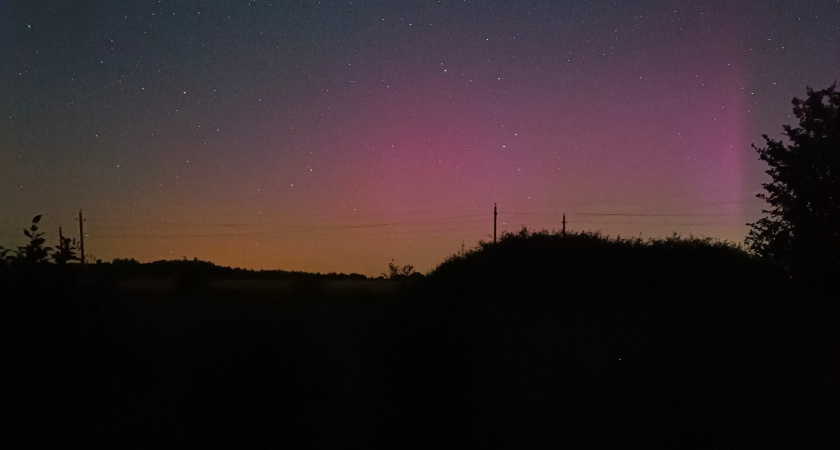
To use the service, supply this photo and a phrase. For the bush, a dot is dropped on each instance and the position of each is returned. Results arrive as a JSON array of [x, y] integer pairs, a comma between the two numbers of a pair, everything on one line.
[[545, 266]]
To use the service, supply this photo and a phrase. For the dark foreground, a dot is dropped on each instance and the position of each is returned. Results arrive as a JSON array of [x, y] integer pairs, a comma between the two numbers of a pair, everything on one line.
[[121, 368]]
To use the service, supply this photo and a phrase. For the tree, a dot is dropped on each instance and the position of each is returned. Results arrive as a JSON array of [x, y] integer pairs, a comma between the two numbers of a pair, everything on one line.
[[802, 227], [396, 272]]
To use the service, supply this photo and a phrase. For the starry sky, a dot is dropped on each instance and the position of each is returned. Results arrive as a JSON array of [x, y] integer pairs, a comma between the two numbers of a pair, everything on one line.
[[337, 136]]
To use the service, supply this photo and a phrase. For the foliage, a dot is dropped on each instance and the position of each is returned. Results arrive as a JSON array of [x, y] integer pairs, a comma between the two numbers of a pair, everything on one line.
[[396, 272], [185, 269], [802, 227], [34, 251], [65, 251], [550, 266]]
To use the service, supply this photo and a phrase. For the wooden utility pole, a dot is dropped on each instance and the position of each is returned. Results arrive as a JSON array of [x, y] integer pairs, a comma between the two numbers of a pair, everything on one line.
[[564, 224], [60, 249], [81, 236], [495, 213]]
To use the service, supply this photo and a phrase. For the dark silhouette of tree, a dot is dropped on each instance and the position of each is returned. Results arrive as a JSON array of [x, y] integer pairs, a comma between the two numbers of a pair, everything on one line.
[[396, 272], [802, 227]]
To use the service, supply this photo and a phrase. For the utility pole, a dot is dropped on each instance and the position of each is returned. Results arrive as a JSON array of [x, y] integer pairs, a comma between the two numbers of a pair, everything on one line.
[[564, 224], [60, 249], [462, 248], [495, 213], [81, 236]]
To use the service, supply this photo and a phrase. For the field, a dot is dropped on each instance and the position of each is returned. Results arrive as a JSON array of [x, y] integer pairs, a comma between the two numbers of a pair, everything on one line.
[[256, 364]]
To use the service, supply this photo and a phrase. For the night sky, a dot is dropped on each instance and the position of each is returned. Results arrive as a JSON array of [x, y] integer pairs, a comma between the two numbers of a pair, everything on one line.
[[337, 136]]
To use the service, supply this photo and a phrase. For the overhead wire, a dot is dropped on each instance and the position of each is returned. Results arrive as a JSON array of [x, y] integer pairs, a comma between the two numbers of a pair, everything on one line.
[[298, 229], [464, 225]]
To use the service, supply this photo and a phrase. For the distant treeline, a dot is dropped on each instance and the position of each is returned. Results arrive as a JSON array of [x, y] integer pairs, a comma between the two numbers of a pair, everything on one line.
[[186, 273], [37, 260], [130, 268], [521, 267]]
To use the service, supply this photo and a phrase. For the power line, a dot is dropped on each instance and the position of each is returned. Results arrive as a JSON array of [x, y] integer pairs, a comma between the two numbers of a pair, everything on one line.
[[614, 200], [633, 214], [464, 225], [266, 215], [662, 215], [296, 230]]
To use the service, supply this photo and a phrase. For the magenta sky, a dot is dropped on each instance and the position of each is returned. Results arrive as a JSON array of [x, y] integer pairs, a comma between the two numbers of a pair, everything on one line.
[[335, 137]]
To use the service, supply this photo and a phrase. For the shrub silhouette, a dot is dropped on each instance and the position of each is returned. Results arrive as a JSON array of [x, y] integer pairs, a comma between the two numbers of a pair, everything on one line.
[[65, 251], [396, 272], [34, 251], [28, 269], [544, 266]]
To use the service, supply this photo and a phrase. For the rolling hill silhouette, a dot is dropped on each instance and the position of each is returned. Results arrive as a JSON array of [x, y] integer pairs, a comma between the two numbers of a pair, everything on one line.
[[546, 267]]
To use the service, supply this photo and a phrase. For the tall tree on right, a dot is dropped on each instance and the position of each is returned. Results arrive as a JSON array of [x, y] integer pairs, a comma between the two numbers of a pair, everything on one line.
[[801, 229]]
